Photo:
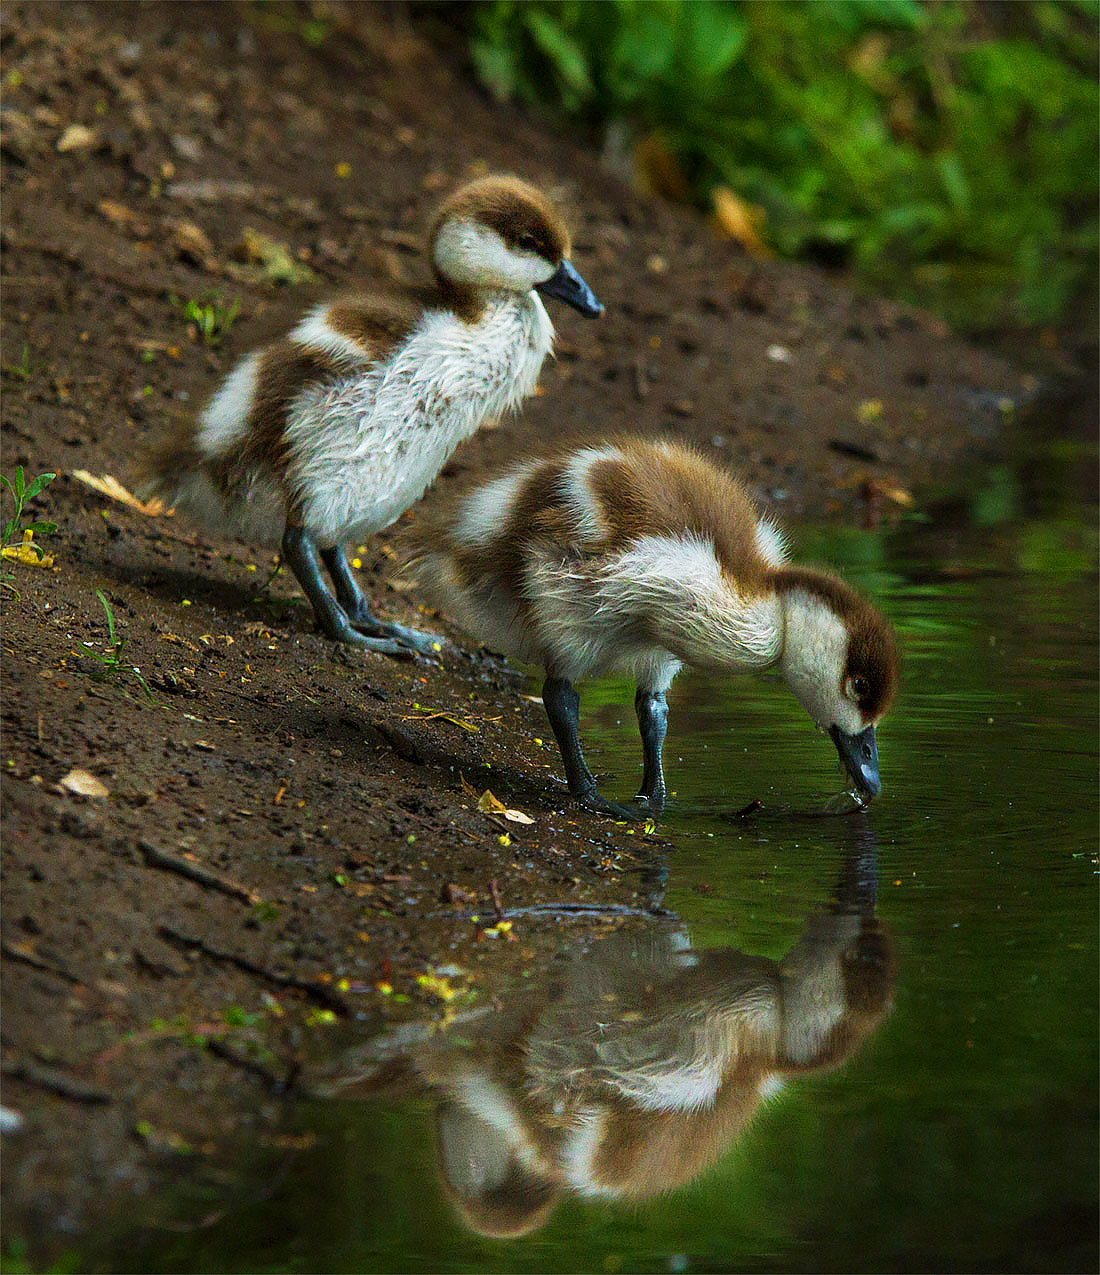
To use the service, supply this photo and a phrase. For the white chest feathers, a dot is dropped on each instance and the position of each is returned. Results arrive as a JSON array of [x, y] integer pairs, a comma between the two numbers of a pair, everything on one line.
[[363, 450]]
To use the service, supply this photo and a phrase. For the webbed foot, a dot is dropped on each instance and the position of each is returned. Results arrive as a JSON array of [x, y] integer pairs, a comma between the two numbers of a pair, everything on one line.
[[592, 801], [349, 636], [650, 805], [421, 643]]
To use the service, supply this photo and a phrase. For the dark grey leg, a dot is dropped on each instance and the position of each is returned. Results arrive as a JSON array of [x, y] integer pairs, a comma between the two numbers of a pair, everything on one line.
[[355, 604], [652, 710], [562, 704], [300, 552]]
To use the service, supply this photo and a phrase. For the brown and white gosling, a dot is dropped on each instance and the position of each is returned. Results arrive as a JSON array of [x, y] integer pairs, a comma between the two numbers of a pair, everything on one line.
[[641, 557], [330, 433]]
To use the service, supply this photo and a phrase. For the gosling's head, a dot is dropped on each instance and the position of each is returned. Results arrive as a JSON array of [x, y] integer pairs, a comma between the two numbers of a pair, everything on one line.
[[841, 661], [499, 234]]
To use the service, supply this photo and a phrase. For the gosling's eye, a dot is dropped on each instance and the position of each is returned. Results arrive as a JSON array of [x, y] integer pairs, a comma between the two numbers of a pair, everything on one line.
[[858, 688]]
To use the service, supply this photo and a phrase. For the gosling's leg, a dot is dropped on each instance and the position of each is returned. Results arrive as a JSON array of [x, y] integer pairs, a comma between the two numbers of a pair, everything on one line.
[[562, 704], [354, 601], [300, 551], [652, 709]]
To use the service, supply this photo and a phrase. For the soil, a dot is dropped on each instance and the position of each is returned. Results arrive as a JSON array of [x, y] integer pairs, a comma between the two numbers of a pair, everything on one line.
[[338, 792]]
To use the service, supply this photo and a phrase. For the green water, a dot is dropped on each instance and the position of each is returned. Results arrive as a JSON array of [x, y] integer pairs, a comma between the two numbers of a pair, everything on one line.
[[961, 1132]]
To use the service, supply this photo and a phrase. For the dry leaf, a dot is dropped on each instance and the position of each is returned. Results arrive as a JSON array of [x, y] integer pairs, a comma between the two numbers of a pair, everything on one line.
[[658, 171], [494, 807], [899, 496], [119, 215], [490, 805], [192, 243], [740, 221], [77, 137], [27, 553], [84, 784], [269, 260], [111, 487]]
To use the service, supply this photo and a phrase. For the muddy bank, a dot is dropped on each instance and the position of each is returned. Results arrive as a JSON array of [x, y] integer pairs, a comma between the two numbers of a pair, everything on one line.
[[327, 803]]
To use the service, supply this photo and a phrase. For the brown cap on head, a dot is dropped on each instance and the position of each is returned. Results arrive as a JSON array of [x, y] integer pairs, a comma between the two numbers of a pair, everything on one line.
[[873, 664], [495, 1194], [523, 217]]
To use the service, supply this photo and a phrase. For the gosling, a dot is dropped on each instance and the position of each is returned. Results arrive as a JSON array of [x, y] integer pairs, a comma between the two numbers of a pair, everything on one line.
[[639, 558], [330, 433]]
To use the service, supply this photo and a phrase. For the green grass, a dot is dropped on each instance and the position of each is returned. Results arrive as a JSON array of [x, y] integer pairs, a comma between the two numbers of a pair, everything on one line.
[[22, 493], [211, 318], [111, 659]]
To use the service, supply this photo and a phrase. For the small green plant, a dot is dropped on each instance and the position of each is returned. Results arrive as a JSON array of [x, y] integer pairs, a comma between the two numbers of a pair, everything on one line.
[[112, 658], [22, 493], [25, 368], [284, 18], [238, 1016], [15, 1260], [212, 319]]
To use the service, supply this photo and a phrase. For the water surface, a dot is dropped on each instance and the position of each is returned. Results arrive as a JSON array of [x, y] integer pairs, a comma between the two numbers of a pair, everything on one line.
[[931, 968]]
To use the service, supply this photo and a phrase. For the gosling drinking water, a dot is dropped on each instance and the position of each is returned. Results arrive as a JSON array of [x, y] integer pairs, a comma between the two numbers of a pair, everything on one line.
[[639, 558]]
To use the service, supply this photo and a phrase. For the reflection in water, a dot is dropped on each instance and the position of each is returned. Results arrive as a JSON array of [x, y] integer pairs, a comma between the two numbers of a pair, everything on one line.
[[637, 1064]]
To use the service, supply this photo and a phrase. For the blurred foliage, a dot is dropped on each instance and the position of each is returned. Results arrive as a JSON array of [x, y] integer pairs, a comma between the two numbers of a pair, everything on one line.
[[947, 151]]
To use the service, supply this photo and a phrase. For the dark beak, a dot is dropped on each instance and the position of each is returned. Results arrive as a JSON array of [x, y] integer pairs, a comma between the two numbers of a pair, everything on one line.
[[567, 285], [859, 753]]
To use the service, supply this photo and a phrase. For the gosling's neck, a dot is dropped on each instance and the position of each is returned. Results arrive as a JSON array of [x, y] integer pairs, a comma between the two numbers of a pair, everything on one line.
[[678, 591]]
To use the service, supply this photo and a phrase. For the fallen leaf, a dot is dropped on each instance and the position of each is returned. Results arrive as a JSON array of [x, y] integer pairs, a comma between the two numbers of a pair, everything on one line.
[[437, 986], [27, 554], [212, 191], [426, 715], [658, 171], [77, 137], [83, 784], [112, 488], [192, 244], [495, 808], [740, 221], [119, 215], [490, 805], [268, 259]]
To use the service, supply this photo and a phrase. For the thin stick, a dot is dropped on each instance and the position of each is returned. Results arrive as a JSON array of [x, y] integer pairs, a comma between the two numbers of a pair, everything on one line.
[[169, 863], [498, 907], [318, 991], [280, 1084], [37, 963], [54, 1081]]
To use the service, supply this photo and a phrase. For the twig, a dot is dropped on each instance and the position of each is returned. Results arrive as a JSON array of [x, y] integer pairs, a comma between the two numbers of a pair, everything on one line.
[[37, 963], [498, 908], [279, 1084], [641, 379], [318, 991], [169, 863], [581, 911], [54, 1081]]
